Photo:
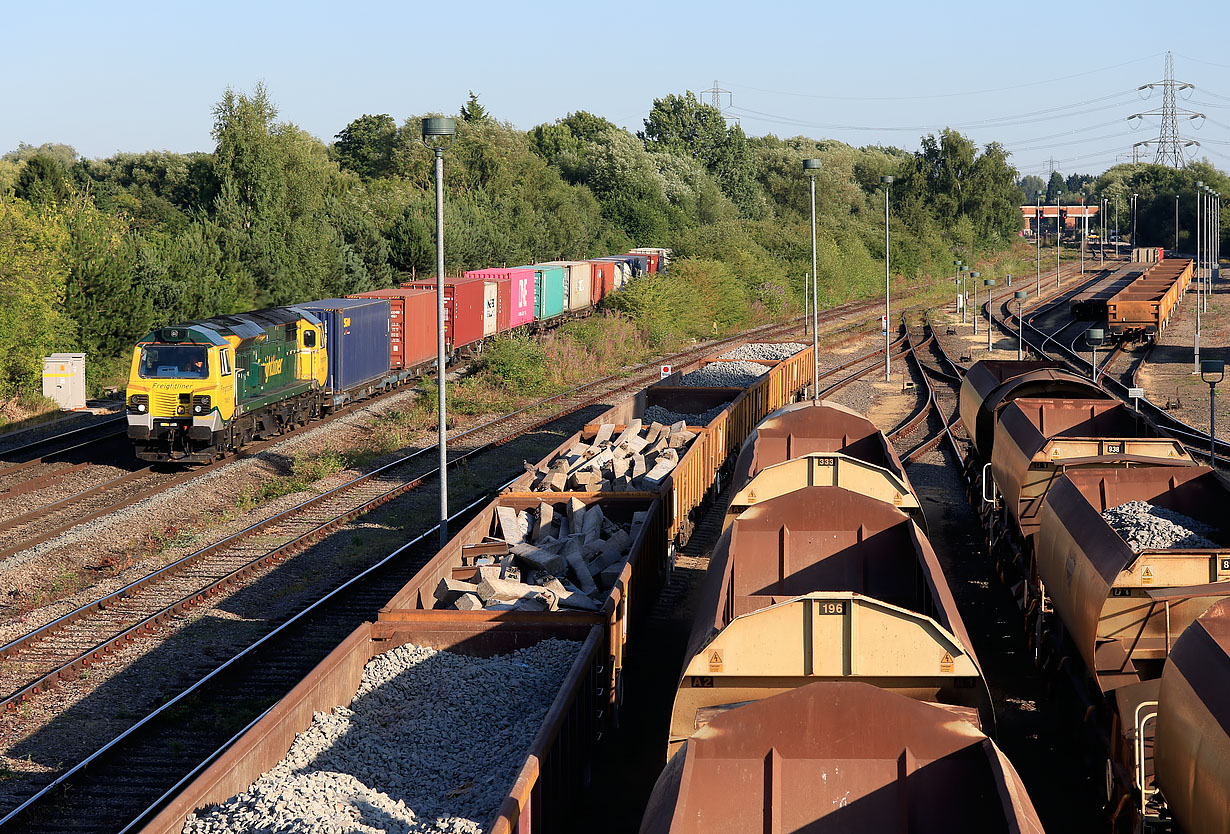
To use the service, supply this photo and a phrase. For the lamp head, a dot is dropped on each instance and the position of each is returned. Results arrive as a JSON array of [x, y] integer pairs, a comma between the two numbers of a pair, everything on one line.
[[811, 167], [887, 180], [1095, 336], [965, 268], [975, 275], [1020, 295], [438, 131], [1212, 370], [988, 282]]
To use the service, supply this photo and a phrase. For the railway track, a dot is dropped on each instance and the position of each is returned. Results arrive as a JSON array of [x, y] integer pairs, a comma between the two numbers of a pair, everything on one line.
[[140, 752], [1042, 342]]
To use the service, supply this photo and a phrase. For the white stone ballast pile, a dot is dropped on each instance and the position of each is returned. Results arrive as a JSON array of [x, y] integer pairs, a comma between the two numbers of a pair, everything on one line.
[[772, 351], [1145, 526], [431, 742], [737, 374]]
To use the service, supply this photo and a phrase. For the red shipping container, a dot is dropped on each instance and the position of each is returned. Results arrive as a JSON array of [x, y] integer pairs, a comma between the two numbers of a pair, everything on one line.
[[463, 309], [516, 296], [412, 325], [603, 276], [653, 261]]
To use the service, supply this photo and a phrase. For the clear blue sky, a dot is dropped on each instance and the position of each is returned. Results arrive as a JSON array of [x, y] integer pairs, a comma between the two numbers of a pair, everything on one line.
[[141, 75]]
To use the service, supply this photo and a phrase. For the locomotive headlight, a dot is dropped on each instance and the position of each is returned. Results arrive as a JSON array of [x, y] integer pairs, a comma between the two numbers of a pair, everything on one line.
[[200, 404], [138, 403], [141, 407]]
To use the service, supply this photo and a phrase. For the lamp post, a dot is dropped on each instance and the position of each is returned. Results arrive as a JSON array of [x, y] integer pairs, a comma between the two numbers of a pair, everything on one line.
[[1058, 237], [888, 183], [1196, 262], [988, 283], [1176, 223], [1094, 336], [811, 167], [1038, 237], [1212, 371], [438, 135], [1020, 296], [1134, 196], [964, 292], [1101, 244], [974, 276], [1084, 232]]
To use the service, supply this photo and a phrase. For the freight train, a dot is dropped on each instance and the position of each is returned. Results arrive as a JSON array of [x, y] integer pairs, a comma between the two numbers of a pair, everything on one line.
[[517, 574], [1130, 608], [1139, 301], [830, 682], [201, 389]]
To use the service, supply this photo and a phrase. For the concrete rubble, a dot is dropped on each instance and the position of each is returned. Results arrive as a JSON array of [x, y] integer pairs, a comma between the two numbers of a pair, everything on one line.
[[545, 559], [1145, 526], [431, 742], [773, 351], [724, 375], [637, 459]]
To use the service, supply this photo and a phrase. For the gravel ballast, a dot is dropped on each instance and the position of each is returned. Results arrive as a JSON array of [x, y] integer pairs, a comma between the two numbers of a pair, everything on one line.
[[774, 351], [724, 375], [1147, 527], [658, 414], [431, 743]]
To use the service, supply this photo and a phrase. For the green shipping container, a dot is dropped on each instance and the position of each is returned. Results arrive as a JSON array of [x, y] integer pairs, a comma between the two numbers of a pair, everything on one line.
[[548, 290]]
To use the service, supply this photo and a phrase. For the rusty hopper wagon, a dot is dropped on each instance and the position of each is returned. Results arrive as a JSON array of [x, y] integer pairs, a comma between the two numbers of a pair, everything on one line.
[[820, 444], [839, 757], [1123, 608], [799, 429], [1192, 745], [823, 583], [1038, 438], [990, 385]]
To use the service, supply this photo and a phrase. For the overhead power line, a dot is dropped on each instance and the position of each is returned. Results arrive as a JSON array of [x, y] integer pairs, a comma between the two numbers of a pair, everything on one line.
[[1170, 144], [947, 95]]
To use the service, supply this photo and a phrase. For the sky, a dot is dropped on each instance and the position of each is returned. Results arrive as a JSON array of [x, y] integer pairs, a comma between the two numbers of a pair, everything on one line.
[[135, 76]]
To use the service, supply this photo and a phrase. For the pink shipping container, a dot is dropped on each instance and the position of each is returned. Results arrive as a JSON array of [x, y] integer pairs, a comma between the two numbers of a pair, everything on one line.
[[412, 325], [464, 303], [515, 305]]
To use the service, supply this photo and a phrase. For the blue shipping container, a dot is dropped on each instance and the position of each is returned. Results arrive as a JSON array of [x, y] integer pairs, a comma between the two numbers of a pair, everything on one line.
[[357, 339]]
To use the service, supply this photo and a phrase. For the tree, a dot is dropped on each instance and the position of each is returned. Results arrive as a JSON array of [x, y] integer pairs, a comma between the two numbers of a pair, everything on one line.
[[684, 126], [43, 178], [33, 272], [367, 146], [1033, 186], [1054, 187], [472, 111]]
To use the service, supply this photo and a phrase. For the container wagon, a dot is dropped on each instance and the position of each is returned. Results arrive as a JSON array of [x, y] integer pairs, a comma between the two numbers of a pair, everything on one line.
[[465, 311], [839, 756], [412, 327]]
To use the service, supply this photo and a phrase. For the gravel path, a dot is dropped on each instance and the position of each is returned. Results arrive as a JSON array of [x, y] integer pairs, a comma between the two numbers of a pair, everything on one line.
[[431, 743], [1145, 526]]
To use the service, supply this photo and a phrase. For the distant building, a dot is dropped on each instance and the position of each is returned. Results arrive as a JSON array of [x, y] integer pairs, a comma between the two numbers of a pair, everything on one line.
[[1071, 215]]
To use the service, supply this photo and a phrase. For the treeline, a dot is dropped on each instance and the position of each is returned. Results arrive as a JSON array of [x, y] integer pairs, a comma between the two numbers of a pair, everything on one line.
[[93, 252]]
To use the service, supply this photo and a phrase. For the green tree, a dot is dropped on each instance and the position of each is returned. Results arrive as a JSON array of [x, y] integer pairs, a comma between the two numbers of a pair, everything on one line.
[[33, 273], [472, 111], [42, 178], [368, 146]]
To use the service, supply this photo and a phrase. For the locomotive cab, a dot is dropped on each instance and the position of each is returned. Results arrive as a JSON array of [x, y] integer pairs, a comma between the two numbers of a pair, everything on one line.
[[181, 392], [200, 389]]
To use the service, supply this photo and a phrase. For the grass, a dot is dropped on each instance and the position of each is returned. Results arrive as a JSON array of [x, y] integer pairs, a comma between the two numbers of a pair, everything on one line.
[[305, 471]]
